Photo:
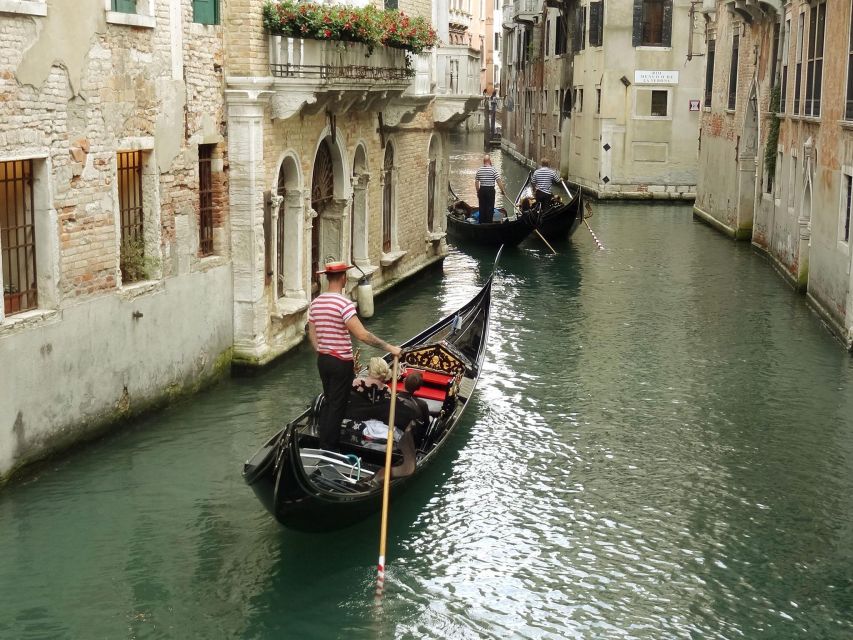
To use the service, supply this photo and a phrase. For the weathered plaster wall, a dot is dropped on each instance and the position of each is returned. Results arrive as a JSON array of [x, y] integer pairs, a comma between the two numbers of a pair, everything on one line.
[[76, 89], [94, 363]]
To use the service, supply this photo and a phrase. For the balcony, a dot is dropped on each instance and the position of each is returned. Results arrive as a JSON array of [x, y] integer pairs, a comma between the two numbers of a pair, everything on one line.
[[309, 76], [459, 20], [751, 10], [526, 10], [458, 84]]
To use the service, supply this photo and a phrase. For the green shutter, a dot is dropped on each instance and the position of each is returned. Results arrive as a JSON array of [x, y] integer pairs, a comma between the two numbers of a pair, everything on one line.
[[206, 11], [124, 6]]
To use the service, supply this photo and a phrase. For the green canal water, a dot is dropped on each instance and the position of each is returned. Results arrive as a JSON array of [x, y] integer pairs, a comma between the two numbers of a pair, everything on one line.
[[661, 447]]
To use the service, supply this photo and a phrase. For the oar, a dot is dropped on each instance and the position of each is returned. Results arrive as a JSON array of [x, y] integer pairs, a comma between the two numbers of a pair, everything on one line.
[[453, 193], [389, 446], [594, 237], [537, 233]]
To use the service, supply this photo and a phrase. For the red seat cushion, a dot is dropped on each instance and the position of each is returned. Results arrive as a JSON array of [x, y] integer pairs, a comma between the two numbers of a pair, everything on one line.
[[431, 394]]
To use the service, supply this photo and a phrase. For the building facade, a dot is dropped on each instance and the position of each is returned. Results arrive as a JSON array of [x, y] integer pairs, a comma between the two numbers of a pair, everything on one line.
[[608, 91], [171, 178], [114, 229], [328, 163], [781, 109]]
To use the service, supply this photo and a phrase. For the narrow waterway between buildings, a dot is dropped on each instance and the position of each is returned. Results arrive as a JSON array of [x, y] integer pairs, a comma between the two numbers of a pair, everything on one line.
[[661, 446]]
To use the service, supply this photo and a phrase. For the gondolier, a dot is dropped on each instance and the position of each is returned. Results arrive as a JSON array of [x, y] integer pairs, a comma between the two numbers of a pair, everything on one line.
[[544, 179], [485, 180], [332, 319]]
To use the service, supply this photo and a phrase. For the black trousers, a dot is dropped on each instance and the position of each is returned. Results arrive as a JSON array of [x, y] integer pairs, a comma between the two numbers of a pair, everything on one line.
[[486, 198], [337, 376], [543, 198]]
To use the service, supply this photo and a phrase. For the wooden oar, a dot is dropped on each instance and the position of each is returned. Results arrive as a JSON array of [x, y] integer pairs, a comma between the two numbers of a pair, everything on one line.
[[594, 237], [537, 233], [389, 446]]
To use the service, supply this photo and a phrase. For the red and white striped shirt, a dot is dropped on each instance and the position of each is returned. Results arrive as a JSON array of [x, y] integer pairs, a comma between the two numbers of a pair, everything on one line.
[[329, 313]]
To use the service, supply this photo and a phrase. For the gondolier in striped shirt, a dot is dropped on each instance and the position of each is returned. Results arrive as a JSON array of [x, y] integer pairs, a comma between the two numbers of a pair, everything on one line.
[[485, 180], [544, 179], [331, 321]]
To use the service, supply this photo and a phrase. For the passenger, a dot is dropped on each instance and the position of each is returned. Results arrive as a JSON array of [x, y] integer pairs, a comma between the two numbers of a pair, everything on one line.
[[413, 410], [332, 321], [378, 374]]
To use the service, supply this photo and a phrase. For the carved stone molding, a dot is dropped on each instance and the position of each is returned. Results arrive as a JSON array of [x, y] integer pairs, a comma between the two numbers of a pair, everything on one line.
[[285, 105], [450, 110], [402, 110]]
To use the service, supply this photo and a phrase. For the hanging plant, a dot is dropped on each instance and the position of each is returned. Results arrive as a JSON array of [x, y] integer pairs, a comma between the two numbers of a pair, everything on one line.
[[367, 25]]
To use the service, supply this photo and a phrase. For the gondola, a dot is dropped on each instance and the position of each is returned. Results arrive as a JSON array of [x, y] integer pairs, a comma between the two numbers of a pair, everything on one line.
[[510, 231], [558, 221], [310, 489]]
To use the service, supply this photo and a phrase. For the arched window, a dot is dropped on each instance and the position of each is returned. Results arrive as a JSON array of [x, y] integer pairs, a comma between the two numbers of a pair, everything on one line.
[[281, 190], [322, 193], [387, 198]]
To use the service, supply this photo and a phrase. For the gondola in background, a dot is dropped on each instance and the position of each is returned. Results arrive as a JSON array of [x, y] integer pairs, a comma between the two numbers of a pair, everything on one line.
[[556, 222], [310, 489]]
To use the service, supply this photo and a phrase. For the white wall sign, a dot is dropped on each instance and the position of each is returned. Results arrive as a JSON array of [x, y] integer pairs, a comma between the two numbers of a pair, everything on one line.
[[654, 76]]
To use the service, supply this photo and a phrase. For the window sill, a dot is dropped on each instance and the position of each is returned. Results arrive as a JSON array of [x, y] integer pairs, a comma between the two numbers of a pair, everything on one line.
[[213, 261], [354, 275], [287, 307], [24, 7], [27, 319], [131, 19], [846, 124], [435, 236], [389, 259], [137, 289], [810, 119], [652, 47]]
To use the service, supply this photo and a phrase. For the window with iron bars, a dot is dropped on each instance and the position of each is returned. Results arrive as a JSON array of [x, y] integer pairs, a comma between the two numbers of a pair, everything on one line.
[[131, 215], [18, 236], [205, 191]]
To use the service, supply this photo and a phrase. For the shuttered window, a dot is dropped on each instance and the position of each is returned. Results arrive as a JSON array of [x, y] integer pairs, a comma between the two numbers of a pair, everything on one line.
[[733, 72], [560, 37], [124, 6], [783, 95], [709, 71], [580, 29], [848, 111], [596, 24], [652, 23], [206, 11]]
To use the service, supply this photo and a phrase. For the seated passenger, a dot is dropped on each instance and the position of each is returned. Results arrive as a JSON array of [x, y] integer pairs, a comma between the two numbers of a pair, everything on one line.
[[378, 374], [411, 409]]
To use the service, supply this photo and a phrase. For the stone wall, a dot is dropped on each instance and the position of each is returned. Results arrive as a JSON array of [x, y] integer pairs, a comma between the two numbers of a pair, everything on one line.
[[79, 85]]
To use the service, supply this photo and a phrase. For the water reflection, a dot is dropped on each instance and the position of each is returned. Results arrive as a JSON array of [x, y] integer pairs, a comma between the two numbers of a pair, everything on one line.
[[661, 446]]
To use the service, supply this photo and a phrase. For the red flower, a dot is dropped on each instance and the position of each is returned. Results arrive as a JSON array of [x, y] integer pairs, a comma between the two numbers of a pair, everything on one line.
[[327, 33]]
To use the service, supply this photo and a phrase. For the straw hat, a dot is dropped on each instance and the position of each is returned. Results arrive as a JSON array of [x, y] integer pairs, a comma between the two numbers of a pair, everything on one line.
[[335, 267]]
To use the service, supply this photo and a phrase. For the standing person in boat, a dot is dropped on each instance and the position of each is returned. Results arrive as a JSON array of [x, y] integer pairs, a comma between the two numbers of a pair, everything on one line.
[[332, 321], [485, 180], [544, 179]]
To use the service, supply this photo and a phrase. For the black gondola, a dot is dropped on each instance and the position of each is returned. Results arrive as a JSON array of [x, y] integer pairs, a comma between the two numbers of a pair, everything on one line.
[[511, 231], [557, 221], [310, 489]]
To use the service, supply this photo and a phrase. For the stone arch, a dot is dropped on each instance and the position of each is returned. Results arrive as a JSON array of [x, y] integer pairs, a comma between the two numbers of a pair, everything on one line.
[[433, 217], [287, 213], [329, 197], [747, 168], [359, 209], [388, 184]]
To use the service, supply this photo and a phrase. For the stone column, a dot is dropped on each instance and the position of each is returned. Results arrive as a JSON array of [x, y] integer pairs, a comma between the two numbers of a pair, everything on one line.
[[275, 206], [246, 194], [294, 221], [360, 252]]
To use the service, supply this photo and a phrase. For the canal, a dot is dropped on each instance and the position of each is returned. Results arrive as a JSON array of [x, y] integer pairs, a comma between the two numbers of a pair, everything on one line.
[[661, 447]]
